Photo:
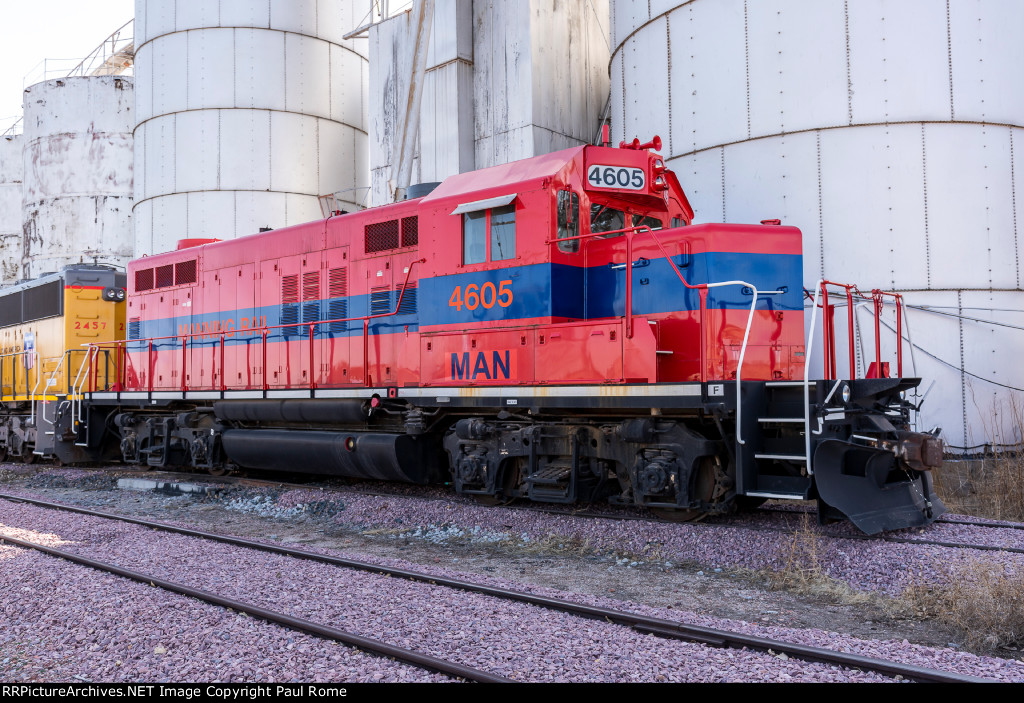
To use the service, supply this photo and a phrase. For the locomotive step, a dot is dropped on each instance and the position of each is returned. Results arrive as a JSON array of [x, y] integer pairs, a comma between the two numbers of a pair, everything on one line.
[[554, 474], [780, 419], [776, 495], [784, 457]]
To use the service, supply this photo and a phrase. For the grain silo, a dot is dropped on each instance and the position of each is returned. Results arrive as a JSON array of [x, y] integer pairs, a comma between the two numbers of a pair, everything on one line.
[[246, 113], [495, 82], [77, 187], [11, 170], [889, 131]]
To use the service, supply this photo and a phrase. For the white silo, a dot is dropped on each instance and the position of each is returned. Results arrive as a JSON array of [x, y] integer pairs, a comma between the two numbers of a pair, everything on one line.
[[500, 81], [11, 170], [889, 131], [246, 113], [77, 189]]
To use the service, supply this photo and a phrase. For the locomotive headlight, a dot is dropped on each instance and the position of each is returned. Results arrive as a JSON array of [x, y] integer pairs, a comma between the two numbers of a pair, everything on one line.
[[845, 393], [350, 443], [113, 294]]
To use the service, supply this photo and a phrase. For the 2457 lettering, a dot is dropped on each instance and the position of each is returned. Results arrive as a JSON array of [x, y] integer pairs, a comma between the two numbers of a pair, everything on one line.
[[476, 295]]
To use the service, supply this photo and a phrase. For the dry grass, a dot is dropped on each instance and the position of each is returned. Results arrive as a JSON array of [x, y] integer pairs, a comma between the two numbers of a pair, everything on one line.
[[991, 486], [804, 572], [980, 603]]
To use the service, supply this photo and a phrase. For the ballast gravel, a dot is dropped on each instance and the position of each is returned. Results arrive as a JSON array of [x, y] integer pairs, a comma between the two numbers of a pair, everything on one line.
[[763, 540], [67, 623], [514, 640], [743, 542]]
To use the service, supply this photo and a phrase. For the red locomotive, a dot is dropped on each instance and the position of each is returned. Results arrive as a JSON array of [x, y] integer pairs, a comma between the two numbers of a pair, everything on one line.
[[552, 329]]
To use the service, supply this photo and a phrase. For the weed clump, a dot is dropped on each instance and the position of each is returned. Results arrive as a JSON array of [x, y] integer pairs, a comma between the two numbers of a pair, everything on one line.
[[981, 603], [991, 484], [803, 568]]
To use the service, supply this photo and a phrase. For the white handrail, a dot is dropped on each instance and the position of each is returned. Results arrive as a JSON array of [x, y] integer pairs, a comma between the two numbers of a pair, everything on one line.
[[52, 377], [807, 376], [743, 347], [77, 388], [35, 388]]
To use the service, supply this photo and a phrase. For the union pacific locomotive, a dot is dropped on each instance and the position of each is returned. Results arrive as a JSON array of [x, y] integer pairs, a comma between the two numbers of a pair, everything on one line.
[[554, 329]]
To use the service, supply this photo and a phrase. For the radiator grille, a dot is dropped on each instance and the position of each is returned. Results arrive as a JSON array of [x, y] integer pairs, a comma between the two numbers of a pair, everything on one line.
[[408, 306], [165, 276], [289, 305], [380, 301], [185, 272], [410, 231], [381, 236], [144, 279]]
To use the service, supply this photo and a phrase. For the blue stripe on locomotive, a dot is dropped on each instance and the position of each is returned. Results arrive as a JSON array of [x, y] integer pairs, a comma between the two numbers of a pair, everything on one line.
[[269, 315], [556, 290], [542, 290]]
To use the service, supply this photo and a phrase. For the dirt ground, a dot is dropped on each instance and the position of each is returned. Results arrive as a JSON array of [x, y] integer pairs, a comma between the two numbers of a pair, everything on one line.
[[682, 587]]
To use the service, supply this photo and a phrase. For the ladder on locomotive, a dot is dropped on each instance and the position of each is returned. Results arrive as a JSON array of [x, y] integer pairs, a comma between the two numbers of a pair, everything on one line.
[[789, 404]]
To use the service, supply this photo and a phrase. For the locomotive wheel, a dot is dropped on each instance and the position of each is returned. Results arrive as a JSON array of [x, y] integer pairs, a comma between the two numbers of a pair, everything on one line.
[[218, 471], [510, 478], [703, 489]]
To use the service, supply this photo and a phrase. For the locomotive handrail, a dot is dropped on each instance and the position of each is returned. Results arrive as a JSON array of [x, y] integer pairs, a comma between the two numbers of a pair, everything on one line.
[[828, 327], [50, 382], [30, 396], [818, 288], [703, 292], [78, 387], [262, 331], [829, 370]]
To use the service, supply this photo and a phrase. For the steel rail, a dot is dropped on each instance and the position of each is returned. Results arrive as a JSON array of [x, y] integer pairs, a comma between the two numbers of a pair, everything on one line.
[[942, 520], [783, 530], [978, 523], [407, 656], [649, 625]]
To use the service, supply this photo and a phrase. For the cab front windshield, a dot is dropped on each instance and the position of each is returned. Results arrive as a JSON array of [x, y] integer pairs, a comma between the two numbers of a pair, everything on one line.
[[604, 218]]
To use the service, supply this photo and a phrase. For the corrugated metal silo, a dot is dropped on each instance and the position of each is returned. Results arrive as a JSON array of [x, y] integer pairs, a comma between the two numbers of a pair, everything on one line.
[[246, 113], [11, 169], [889, 131], [77, 188]]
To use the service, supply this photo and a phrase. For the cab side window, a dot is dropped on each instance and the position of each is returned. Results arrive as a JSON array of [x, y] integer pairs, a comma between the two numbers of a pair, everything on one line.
[[503, 233], [568, 220], [489, 235], [474, 237]]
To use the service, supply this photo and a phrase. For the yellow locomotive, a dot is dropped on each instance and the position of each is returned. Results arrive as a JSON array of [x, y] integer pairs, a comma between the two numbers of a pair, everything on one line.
[[45, 365]]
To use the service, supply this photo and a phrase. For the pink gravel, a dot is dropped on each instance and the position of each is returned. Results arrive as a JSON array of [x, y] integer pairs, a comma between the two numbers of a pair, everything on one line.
[[515, 640], [67, 623]]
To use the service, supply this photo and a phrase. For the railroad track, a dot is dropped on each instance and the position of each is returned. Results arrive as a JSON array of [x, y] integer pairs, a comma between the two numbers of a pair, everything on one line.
[[786, 530], [654, 626], [589, 514]]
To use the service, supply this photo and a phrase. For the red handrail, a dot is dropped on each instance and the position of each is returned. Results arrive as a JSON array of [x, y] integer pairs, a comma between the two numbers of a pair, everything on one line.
[[829, 332], [122, 344]]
